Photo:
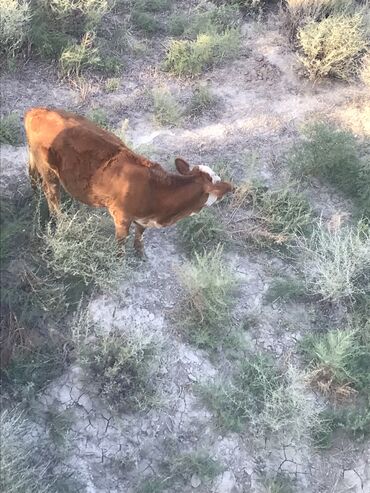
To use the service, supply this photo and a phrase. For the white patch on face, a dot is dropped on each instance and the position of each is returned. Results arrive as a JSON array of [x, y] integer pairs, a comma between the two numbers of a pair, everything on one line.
[[206, 169]]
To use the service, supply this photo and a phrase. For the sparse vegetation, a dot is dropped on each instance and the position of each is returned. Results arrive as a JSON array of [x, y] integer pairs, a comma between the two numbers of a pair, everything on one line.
[[201, 100], [339, 362], [201, 231], [167, 111], [365, 70], [10, 130], [123, 367], [286, 289], [192, 57], [82, 247], [332, 46], [99, 116], [333, 155], [278, 483], [264, 397], [79, 56], [177, 471], [112, 84], [205, 311], [336, 264]]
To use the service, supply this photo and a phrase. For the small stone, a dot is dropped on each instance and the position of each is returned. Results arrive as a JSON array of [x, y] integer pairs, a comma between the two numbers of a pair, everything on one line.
[[192, 377], [151, 316], [227, 483], [195, 481]]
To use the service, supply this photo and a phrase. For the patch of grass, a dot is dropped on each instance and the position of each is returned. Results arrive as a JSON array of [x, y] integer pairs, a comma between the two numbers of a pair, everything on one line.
[[152, 5], [202, 100], [167, 111], [58, 424], [192, 57], [262, 396], [332, 155], [81, 247], [123, 368], [10, 130], [176, 471], [286, 289], [112, 84], [354, 422], [99, 116], [339, 362], [29, 464], [15, 17], [298, 13], [278, 215], [204, 315], [145, 22], [31, 370], [78, 57], [336, 264], [278, 483], [365, 70], [332, 46], [199, 232]]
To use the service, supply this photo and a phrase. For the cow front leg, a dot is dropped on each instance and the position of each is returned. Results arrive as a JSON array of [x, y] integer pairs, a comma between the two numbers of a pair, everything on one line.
[[138, 242], [122, 226]]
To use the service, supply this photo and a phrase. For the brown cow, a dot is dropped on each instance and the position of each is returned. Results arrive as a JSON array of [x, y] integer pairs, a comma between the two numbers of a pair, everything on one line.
[[97, 168]]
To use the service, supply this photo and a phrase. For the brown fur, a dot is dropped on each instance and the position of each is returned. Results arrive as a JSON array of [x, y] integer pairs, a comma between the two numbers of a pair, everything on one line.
[[95, 167]]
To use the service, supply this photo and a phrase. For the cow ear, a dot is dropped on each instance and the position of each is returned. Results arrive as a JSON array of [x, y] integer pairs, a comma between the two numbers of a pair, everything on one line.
[[182, 166]]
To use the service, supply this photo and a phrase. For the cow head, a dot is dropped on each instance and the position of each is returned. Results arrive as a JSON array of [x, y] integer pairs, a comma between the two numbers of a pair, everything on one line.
[[212, 184]]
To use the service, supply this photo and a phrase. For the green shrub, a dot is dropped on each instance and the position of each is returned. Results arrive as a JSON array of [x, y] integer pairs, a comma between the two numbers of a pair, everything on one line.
[[336, 264], [15, 17], [189, 57], [278, 483], [286, 289], [167, 111], [81, 247], [10, 130], [263, 397], [204, 314], [123, 368], [210, 18], [332, 46], [78, 57], [201, 231]]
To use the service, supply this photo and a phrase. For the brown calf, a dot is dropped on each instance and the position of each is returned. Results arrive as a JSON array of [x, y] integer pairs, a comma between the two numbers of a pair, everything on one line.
[[97, 168]]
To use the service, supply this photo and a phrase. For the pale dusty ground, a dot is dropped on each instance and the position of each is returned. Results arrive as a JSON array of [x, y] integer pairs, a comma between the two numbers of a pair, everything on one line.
[[263, 104]]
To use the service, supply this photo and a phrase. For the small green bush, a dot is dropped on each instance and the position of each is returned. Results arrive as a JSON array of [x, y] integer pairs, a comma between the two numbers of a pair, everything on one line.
[[278, 483], [264, 397], [112, 84], [167, 111], [15, 16], [332, 47], [204, 314], [10, 130], [189, 57], [78, 57], [201, 231], [152, 5], [123, 368], [336, 264], [286, 289]]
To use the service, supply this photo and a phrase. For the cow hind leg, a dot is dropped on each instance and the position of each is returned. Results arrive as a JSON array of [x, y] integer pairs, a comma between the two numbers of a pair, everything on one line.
[[33, 172]]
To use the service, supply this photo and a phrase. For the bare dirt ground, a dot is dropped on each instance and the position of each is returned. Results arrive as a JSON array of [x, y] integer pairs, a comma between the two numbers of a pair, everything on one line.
[[263, 103]]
